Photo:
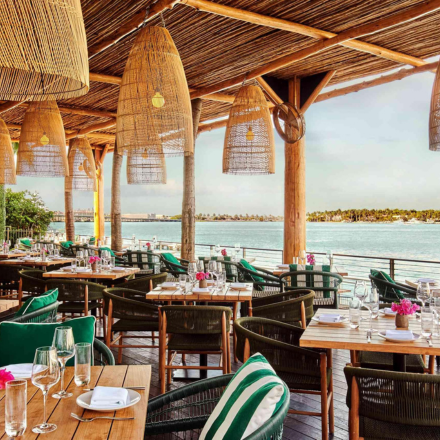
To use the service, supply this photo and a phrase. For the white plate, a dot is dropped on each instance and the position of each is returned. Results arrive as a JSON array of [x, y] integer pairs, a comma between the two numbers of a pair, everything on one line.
[[383, 335], [389, 314], [426, 280], [82, 270], [342, 321], [67, 269], [119, 269], [239, 286], [23, 375], [201, 290], [84, 399], [58, 258]]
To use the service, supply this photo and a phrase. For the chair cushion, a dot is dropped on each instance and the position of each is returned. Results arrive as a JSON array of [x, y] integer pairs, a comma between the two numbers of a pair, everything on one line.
[[381, 275], [384, 361], [66, 244], [26, 242], [248, 266], [38, 302], [312, 280], [126, 325], [172, 259], [195, 342], [252, 397], [18, 342]]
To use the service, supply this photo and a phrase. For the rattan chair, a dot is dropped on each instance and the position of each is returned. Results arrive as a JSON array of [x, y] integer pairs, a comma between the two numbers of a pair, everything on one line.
[[174, 269], [84, 248], [146, 283], [263, 280], [305, 371], [134, 314], [229, 268], [324, 284], [193, 330], [10, 281], [387, 290], [42, 315], [391, 405], [144, 260], [102, 355], [295, 307], [32, 283]]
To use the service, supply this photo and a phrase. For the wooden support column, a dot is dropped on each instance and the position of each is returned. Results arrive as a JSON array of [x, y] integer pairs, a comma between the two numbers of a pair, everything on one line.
[[294, 189], [189, 198], [116, 216], [69, 218], [99, 219]]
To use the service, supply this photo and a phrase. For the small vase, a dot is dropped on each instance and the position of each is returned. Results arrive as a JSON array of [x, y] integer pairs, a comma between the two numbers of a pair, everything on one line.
[[203, 284], [402, 321], [95, 267]]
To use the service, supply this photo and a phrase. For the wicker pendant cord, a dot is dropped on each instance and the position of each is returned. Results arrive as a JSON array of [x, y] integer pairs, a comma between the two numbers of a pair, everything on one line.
[[82, 170], [154, 107], [42, 148], [7, 164], [434, 115], [249, 146], [146, 169]]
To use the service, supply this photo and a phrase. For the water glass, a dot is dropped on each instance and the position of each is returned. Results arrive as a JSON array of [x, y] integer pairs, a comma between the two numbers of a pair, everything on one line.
[[355, 313], [201, 266], [15, 407], [302, 257], [217, 249], [182, 282], [83, 357], [112, 262], [435, 305], [212, 267], [423, 292], [426, 321], [295, 260], [220, 282], [45, 374], [65, 345]]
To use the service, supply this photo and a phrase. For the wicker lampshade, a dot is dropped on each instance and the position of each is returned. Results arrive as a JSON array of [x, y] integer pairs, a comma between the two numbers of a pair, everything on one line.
[[7, 164], [146, 169], [249, 141], [82, 170], [154, 107], [434, 115], [43, 50], [42, 148]]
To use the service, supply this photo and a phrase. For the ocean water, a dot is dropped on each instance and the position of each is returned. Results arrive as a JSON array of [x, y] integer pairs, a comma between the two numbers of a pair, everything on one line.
[[415, 241]]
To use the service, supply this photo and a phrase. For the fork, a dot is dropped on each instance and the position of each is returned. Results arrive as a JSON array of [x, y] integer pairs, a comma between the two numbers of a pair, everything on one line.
[[429, 341], [368, 336], [90, 419]]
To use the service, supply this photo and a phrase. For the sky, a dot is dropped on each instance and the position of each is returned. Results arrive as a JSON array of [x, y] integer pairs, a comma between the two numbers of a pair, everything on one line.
[[364, 150]]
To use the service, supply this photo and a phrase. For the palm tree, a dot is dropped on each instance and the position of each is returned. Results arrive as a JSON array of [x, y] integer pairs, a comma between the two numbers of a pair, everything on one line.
[[116, 215]]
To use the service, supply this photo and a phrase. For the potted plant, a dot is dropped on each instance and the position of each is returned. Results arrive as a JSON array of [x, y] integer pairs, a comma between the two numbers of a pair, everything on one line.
[[403, 310], [201, 277], [311, 260], [224, 253], [93, 261]]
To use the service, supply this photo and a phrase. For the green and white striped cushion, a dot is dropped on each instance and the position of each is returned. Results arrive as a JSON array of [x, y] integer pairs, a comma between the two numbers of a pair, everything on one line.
[[253, 396]]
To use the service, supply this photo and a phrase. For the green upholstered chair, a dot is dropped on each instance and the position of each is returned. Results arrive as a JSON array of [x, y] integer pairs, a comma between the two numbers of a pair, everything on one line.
[[145, 283], [32, 283], [134, 313], [42, 315], [173, 265], [182, 413], [144, 260], [102, 355], [303, 370], [392, 405], [389, 290]]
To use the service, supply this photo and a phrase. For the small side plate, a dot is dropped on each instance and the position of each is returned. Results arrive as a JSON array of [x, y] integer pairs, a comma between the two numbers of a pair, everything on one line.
[[83, 401], [342, 321], [383, 335]]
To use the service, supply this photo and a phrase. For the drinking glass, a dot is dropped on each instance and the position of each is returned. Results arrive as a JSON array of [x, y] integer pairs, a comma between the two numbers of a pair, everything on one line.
[[83, 356], [302, 257], [15, 407], [80, 257], [65, 345], [182, 282], [370, 302], [73, 265], [192, 270], [355, 313], [201, 266], [112, 262], [426, 321], [435, 305], [220, 281], [423, 292], [217, 249], [375, 302], [212, 267], [295, 260], [45, 374], [360, 290]]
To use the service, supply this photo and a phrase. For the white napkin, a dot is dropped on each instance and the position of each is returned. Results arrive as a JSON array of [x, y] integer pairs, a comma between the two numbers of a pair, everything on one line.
[[106, 397], [283, 266], [403, 335], [329, 317], [22, 371], [389, 311], [201, 290], [238, 285]]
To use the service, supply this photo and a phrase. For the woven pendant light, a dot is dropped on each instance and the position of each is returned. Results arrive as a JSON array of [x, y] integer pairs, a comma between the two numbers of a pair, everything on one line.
[[7, 164], [434, 115], [249, 141], [146, 169], [42, 148], [154, 107], [43, 50], [82, 170]]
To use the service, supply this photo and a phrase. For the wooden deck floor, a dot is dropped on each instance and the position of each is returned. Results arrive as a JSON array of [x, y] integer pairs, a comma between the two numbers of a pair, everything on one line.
[[296, 427]]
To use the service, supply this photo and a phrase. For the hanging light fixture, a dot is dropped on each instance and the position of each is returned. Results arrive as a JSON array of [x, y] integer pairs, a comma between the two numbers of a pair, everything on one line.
[[249, 146], [43, 50], [434, 115], [42, 148], [7, 164], [146, 169], [82, 170], [154, 107]]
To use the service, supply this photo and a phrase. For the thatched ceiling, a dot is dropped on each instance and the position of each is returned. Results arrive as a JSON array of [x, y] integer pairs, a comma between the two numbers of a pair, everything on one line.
[[214, 48]]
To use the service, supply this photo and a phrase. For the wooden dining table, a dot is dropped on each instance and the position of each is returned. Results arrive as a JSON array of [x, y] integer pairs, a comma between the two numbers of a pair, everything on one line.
[[36, 262], [68, 428], [344, 337], [10, 255], [103, 275]]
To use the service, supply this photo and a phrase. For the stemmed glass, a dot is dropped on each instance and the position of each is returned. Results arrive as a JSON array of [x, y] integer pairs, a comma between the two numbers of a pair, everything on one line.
[[201, 266], [192, 270], [423, 292], [302, 257], [360, 292], [45, 374], [65, 345], [182, 282], [212, 267], [237, 250], [435, 305], [217, 249], [371, 302], [79, 257]]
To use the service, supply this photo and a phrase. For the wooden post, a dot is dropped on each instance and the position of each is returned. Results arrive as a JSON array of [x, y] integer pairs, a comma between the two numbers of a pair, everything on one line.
[[68, 212], [116, 202], [189, 198], [99, 198], [294, 189]]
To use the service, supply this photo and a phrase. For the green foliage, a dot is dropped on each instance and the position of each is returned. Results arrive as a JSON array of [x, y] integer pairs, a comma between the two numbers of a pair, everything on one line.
[[27, 210]]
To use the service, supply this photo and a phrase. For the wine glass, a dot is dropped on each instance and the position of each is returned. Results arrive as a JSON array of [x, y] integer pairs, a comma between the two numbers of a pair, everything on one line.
[[217, 249], [423, 292], [212, 267], [45, 374], [192, 270], [65, 345], [360, 292], [201, 266], [302, 257], [371, 302]]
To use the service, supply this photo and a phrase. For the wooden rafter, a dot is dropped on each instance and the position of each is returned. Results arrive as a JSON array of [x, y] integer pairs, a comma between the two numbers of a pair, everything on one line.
[[312, 98], [403, 73], [366, 29], [274, 98], [94, 127], [285, 25]]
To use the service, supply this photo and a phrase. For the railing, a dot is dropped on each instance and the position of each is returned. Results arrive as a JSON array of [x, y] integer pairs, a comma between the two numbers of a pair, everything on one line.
[[14, 234]]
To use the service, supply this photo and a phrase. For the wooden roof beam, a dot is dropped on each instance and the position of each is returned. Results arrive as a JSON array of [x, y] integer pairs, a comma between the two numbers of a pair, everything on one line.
[[94, 127], [317, 90], [403, 73], [274, 98], [285, 25], [359, 31]]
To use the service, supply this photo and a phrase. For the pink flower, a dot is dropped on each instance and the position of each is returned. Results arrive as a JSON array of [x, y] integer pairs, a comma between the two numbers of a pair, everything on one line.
[[148, 244], [311, 259], [201, 276], [5, 376], [405, 307], [224, 253], [94, 259]]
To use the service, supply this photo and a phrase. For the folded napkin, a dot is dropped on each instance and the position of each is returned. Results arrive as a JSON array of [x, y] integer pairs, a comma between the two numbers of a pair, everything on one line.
[[389, 311], [329, 317], [107, 397], [22, 371], [201, 290], [403, 335]]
